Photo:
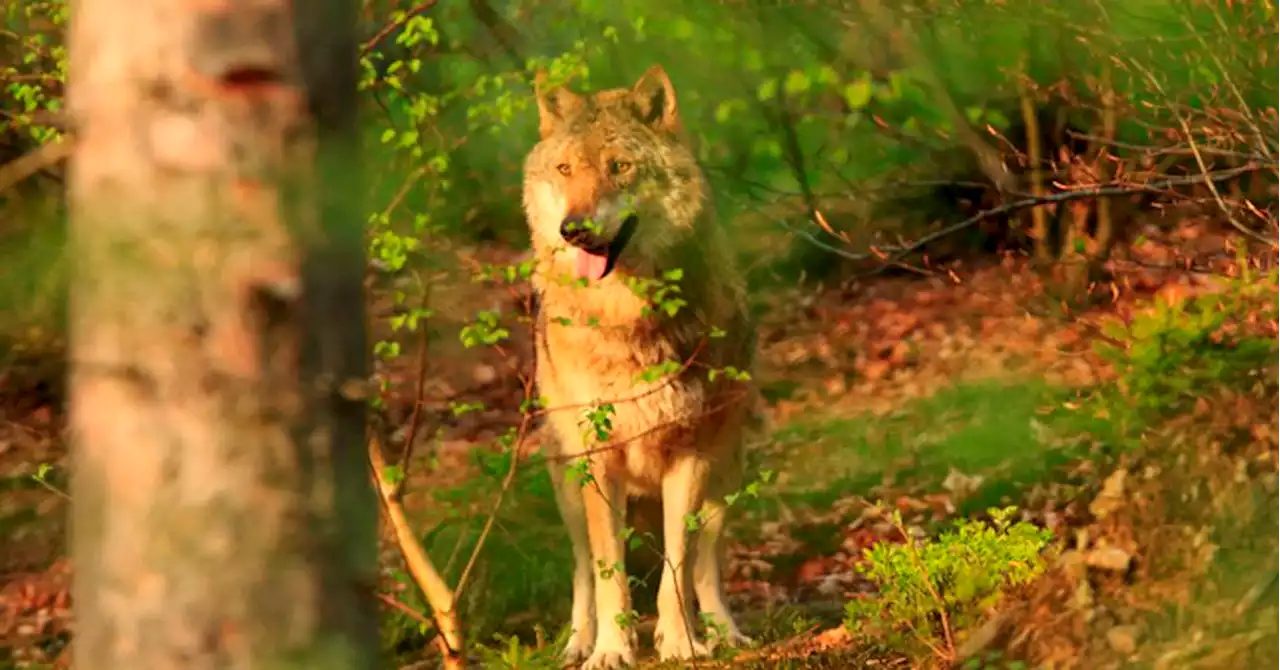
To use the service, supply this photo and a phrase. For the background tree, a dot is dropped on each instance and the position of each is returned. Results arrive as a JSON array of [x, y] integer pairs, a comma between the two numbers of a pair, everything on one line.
[[224, 515]]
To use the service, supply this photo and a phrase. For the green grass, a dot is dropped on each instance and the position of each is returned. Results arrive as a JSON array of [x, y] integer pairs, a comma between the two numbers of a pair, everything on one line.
[[1012, 435], [521, 578], [33, 275]]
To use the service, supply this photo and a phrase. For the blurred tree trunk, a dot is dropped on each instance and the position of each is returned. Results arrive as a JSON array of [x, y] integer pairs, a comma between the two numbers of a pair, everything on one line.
[[223, 515]]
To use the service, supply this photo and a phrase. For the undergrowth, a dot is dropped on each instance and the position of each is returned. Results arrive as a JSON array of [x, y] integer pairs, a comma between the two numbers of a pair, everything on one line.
[[1169, 356], [932, 592]]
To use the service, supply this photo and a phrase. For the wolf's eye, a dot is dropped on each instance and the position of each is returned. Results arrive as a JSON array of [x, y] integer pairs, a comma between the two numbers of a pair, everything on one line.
[[619, 167], [564, 169]]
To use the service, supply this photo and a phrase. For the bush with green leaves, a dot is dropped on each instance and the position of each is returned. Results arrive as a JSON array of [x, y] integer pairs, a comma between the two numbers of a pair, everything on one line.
[[931, 592], [33, 67], [1168, 355], [508, 653]]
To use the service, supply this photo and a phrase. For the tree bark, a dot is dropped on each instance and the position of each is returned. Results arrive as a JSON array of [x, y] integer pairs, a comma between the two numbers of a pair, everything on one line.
[[223, 513]]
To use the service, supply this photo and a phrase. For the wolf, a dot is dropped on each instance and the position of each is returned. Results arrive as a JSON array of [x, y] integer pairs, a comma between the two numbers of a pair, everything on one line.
[[617, 208]]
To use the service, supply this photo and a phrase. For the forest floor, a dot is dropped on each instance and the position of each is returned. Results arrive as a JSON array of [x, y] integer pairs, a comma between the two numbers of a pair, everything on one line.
[[939, 396]]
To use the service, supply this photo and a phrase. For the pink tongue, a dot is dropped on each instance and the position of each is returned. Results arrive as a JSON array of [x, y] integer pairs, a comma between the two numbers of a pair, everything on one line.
[[592, 266]]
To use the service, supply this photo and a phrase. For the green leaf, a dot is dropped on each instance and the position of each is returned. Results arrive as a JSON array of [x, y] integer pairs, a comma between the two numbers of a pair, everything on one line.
[[797, 82], [997, 119], [858, 93], [725, 110], [767, 90], [393, 474]]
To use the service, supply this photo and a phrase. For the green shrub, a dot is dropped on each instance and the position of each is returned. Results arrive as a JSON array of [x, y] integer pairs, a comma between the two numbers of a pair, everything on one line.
[[508, 653], [1167, 356], [931, 591]]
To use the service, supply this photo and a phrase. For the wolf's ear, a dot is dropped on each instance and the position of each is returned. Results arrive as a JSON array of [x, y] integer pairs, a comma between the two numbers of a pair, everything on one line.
[[655, 99], [556, 104]]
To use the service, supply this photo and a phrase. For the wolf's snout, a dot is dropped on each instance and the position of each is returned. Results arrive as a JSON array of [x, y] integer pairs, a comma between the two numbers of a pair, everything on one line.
[[577, 231]]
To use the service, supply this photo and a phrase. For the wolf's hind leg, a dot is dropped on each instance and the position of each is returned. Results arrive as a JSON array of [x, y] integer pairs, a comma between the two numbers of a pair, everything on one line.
[[708, 582], [573, 510]]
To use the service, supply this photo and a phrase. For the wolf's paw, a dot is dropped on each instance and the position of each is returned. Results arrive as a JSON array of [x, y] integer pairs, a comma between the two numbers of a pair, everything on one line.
[[676, 643], [604, 658], [733, 640], [577, 649]]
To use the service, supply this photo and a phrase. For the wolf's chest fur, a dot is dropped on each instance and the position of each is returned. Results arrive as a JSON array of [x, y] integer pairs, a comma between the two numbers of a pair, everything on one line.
[[583, 365]]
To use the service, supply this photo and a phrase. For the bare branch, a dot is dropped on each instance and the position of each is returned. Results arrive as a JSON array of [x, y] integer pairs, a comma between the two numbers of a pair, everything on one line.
[[423, 571], [1204, 168]]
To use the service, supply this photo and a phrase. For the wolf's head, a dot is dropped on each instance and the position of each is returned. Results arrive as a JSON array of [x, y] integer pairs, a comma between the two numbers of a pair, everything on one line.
[[611, 183]]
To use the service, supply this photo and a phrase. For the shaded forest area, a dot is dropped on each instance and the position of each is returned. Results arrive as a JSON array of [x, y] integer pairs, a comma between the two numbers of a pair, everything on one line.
[[1015, 270]]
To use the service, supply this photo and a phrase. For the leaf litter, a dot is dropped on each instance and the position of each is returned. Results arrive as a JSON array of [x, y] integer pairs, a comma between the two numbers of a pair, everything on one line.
[[862, 348]]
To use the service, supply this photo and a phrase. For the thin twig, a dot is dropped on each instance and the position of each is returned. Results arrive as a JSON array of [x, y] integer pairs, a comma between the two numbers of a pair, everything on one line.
[[668, 381], [1230, 81], [618, 444], [386, 30], [795, 154], [408, 611], [526, 422], [1255, 593], [1111, 190], [59, 492], [1153, 150], [1204, 168], [1100, 191], [419, 391]]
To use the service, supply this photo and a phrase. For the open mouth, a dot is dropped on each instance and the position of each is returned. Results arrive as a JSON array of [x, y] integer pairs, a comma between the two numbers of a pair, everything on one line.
[[596, 264]]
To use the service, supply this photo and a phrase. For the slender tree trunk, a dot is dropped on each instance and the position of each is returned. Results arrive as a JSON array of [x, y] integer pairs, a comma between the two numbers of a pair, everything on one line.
[[223, 516]]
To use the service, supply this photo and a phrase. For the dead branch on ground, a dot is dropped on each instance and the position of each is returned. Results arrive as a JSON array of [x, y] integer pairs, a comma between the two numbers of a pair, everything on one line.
[[438, 594]]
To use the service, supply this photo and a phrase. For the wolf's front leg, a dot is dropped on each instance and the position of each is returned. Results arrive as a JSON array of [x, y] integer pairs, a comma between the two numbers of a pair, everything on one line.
[[606, 508], [683, 490], [569, 497]]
